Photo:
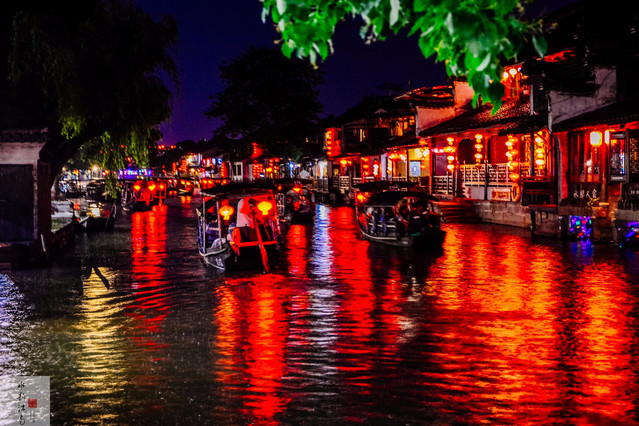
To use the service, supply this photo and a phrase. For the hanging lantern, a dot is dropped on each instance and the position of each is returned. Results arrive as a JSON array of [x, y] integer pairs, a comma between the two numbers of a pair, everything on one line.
[[264, 207], [226, 211], [540, 151], [595, 139], [512, 155], [450, 151], [479, 146]]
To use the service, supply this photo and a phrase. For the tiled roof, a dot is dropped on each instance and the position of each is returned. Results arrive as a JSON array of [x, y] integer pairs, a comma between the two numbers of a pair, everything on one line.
[[508, 116], [432, 97]]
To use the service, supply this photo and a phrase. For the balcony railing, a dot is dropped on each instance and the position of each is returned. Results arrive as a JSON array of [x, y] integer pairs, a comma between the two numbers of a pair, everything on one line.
[[442, 184]]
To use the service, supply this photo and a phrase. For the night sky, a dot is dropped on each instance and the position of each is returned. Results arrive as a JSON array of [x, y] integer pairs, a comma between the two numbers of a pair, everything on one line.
[[212, 32]]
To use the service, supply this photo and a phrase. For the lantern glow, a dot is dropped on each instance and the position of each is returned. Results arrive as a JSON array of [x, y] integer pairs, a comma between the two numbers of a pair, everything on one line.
[[226, 212], [595, 139], [264, 207]]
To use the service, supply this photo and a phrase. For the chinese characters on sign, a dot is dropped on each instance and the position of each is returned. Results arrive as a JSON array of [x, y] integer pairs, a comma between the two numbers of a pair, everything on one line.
[[24, 400]]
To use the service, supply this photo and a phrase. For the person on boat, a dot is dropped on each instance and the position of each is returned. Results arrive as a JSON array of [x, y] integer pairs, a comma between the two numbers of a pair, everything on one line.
[[245, 213], [246, 224], [417, 222], [403, 218], [387, 217], [212, 228]]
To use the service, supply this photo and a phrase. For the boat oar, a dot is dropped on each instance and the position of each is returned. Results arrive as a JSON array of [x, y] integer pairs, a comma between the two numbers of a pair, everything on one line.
[[267, 266]]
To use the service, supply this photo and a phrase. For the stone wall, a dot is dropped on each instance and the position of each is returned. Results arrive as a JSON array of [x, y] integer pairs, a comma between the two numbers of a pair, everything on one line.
[[547, 222], [502, 213]]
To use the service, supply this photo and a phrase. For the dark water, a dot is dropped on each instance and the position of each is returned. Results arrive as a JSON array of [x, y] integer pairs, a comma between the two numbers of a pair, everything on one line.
[[133, 328]]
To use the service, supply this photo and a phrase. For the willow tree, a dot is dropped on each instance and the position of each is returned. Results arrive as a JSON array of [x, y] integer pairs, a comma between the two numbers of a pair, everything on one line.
[[474, 38], [94, 67]]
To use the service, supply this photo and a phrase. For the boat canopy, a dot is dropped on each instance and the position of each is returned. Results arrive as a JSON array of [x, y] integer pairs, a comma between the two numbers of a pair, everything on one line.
[[383, 185], [238, 189], [391, 198]]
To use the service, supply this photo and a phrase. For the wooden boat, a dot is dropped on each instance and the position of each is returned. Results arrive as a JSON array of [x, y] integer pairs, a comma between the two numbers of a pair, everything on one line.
[[96, 211], [399, 218], [141, 195], [185, 187], [238, 226], [297, 203]]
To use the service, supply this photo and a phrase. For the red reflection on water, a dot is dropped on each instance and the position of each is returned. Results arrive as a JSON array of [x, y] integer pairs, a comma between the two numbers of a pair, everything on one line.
[[253, 326], [523, 341], [396, 327], [495, 329], [352, 266], [152, 303], [297, 249]]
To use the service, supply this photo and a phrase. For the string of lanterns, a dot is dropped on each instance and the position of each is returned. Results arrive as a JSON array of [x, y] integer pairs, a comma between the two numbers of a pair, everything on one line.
[[450, 153], [540, 151], [479, 146], [513, 158]]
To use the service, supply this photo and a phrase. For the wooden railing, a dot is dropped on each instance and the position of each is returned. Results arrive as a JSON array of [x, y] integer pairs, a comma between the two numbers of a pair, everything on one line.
[[443, 185], [322, 184]]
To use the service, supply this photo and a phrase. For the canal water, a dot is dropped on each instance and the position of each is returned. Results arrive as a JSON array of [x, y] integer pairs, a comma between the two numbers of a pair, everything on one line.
[[132, 328]]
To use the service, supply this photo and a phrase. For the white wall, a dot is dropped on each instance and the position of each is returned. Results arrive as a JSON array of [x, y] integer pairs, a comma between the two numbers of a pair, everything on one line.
[[568, 105], [20, 152]]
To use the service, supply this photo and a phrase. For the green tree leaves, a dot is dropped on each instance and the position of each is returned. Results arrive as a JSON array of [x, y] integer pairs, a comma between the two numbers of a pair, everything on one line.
[[474, 38], [94, 65]]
